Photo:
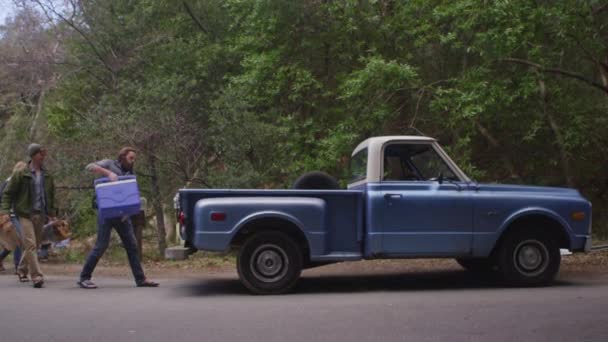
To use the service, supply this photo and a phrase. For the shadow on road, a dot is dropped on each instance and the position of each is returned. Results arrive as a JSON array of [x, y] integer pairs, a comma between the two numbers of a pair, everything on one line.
[[353, 283]]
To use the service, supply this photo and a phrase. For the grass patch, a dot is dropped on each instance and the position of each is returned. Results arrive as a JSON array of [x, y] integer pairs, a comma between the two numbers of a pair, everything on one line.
[[116, 255], [69, 255]]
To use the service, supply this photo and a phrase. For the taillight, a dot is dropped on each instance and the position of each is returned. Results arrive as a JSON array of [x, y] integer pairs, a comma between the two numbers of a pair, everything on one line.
[[182, 218]]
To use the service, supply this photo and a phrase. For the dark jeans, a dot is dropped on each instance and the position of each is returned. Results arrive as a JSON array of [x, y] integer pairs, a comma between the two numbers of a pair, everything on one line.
[[125, 231], [16, 255]]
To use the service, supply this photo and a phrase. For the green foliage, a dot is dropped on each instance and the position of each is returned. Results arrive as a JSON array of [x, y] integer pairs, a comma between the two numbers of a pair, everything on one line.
[[253, 93]]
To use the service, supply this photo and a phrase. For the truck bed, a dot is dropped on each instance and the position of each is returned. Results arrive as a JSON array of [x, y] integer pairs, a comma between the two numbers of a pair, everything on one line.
[[342, 236]]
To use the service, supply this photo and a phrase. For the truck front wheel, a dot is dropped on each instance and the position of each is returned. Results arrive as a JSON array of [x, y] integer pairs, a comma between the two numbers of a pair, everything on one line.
[[529, 258], [269, 263]]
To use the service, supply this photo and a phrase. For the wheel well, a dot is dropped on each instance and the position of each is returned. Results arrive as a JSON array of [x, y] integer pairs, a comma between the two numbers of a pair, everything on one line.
[[539, 223], [272, 224]]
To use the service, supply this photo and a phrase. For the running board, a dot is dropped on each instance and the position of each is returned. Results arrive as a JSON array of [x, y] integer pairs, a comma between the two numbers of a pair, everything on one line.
[[338, 256]]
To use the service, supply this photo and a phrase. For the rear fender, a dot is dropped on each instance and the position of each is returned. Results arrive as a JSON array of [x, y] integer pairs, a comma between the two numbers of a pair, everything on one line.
[[271, 221], [306, 215], [268, 214]]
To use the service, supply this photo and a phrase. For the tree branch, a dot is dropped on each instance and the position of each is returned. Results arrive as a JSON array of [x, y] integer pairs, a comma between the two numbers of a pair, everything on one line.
[[587, 52], [562, 72], [72, 25], [194, 18], [600, 9], [420, 96]]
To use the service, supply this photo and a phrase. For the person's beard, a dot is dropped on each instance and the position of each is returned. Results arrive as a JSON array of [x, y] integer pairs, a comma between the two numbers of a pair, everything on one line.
[[127, 166]]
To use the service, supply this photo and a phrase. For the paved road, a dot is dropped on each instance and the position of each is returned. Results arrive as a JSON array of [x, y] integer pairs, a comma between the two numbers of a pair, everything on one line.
[[431, 306]]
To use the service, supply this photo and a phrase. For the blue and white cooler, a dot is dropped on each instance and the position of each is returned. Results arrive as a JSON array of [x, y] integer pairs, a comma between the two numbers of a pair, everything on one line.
[[117, 199]]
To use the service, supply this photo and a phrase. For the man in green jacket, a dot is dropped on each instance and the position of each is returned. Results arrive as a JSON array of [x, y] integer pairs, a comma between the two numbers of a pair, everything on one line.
[[31, 194]]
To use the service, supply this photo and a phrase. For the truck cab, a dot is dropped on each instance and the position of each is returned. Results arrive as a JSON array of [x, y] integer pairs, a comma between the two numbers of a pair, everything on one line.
[[406, 199], [412, 177]]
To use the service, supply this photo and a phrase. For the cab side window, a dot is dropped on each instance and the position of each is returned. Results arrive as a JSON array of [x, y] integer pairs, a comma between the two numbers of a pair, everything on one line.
[[414, 162], [396, 170]]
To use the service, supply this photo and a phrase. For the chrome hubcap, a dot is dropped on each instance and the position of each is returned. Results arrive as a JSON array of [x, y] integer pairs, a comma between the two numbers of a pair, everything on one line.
[[531, 257], [269, 263]]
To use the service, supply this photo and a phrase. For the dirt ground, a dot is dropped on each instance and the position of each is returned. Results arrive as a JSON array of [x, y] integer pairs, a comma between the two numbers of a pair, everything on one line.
[[587, 265]]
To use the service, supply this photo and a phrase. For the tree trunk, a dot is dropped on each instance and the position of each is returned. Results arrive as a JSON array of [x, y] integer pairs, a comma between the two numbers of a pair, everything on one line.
[[604, 72], [34, 125], [563, 153], [170, 224], [503, 157], [158, 207]]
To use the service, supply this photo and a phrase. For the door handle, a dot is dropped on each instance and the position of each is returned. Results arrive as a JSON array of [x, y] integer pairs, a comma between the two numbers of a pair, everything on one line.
[[392, 196]]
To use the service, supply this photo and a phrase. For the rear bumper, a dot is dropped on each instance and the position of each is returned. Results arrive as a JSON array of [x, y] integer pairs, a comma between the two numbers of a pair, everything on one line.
[[587, 244]]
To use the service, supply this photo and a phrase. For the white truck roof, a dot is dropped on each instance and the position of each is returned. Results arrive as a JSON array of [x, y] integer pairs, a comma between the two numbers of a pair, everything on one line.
[[379, 141], [374, 146]]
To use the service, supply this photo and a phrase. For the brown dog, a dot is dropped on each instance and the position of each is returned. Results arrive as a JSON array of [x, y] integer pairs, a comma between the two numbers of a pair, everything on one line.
[[61, 230], [8, 233]]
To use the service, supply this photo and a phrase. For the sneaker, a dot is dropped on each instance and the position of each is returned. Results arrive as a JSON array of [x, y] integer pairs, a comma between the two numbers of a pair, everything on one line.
[[2, 269], [38, 284], [87, 284], [147, 283], [22, 277]]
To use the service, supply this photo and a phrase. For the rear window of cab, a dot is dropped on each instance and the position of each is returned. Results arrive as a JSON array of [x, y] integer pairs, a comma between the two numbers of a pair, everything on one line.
[[358, 166]]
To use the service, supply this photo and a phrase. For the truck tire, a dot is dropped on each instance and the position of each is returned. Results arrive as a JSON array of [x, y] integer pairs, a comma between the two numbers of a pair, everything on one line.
[[269, 263], [316, 180], [477, 265], [529, 258]]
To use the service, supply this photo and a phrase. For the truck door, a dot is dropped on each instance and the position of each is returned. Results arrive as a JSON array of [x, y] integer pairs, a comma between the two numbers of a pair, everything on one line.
[[427, 210]]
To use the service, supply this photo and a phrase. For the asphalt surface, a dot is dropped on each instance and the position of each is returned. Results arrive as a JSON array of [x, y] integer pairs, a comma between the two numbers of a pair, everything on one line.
[[415, 306]]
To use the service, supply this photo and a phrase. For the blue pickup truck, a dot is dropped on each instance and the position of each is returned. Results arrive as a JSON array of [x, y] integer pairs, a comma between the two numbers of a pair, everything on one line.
[[406, 199]]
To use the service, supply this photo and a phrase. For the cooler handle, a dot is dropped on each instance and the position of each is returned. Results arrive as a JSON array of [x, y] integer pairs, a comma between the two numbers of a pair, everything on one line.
[[106, 179]]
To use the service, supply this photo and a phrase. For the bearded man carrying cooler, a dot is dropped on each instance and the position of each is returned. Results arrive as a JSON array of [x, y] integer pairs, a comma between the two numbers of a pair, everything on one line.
[[123, 166]]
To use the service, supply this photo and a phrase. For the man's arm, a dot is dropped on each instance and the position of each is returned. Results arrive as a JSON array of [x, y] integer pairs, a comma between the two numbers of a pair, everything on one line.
[[9, 193], [99, 169]]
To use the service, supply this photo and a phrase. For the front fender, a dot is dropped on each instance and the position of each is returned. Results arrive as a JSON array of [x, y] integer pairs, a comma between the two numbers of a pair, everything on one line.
[[485, 243], [535, 211]]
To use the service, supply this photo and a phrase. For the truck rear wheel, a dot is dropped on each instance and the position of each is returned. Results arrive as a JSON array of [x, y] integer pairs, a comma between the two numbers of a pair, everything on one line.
[[529, 258], [269, 263]]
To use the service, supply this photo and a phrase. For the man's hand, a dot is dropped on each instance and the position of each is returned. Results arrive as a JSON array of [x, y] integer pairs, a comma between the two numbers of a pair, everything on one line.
[[113, 177], [104, 172]]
